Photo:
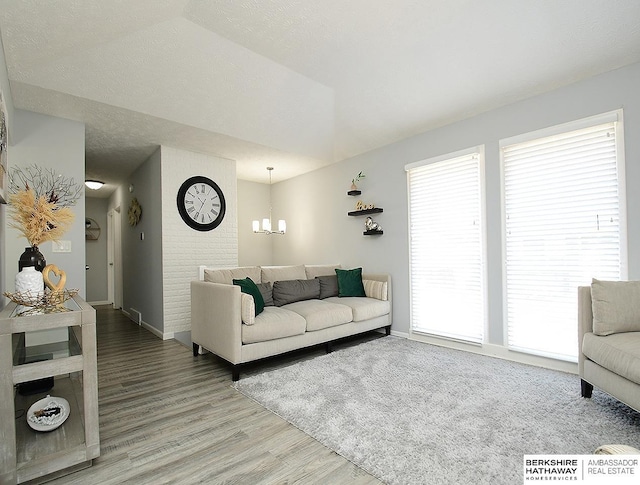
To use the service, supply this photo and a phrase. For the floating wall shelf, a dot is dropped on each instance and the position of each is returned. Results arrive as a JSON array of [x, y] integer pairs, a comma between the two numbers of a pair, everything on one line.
[[364, 212]]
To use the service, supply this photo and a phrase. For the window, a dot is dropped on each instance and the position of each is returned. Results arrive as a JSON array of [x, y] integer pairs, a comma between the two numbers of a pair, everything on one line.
[[564, 224], [447, 246]]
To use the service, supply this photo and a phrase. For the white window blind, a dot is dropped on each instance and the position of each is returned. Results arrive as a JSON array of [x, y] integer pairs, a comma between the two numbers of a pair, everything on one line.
[[562, 227], [446, 248]]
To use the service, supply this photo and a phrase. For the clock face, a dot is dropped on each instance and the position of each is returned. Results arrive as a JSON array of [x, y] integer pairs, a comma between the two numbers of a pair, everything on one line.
[[201, 203]]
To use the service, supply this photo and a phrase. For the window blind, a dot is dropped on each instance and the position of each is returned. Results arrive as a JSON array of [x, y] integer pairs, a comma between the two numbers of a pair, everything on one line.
[[446, 248], [562, 228]]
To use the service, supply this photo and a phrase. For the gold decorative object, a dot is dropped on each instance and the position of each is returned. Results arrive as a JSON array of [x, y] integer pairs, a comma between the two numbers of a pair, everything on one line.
[[52, 268], [51, 302], [39, 203], [135, 211]]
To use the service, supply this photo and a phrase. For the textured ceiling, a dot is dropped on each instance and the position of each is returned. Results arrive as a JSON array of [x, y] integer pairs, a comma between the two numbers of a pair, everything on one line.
[[289, 83]]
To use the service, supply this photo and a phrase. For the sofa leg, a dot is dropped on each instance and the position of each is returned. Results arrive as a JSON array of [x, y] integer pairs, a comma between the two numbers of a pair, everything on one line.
[[387, 330], [196, 348], [586, 388], [328, 347], [235, 373]]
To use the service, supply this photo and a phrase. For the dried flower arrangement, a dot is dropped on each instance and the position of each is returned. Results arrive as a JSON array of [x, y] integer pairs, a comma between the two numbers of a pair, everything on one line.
[[39, 203]]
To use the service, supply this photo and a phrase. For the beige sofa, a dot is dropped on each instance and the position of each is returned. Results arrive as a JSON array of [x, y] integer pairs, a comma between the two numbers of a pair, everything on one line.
[[609, 340], [223, 323]]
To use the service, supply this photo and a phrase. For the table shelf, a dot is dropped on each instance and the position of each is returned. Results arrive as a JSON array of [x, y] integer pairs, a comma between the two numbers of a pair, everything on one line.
[[27, 454]]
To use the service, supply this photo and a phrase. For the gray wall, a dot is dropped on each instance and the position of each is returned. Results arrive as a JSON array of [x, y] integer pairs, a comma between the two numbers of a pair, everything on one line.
[[315, 204], [142, 259], [58, 144], [96, 252]]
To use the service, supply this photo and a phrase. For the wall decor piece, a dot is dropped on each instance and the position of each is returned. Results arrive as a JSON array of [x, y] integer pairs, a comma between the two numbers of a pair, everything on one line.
[[201, 203], [91, 229], [135, 212]]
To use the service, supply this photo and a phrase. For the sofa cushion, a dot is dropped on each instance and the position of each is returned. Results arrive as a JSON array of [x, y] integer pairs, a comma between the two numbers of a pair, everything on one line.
[[290, 291], [619, 353], [363, 308], [375, 289], [616, 306], [350, 282], [227, 275], [328, 286], [282, 273], [273, 323], [247, 309], [321, 314], [249, 287], [267, 293], [315, 270]]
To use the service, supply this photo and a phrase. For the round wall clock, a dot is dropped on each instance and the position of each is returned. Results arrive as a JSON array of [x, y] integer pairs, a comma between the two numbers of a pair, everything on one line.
[[201, 203]]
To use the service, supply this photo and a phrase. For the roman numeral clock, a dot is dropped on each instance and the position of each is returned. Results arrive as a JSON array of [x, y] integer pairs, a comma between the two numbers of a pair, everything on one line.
[[201, 203]]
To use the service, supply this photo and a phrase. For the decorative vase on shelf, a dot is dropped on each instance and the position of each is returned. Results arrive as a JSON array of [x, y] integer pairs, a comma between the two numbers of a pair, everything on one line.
[[32, 257], [29, 281]]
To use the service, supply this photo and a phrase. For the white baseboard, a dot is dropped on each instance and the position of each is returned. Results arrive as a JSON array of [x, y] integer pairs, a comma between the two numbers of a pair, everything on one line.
[[395, 333], [97, 303], [500, 352]]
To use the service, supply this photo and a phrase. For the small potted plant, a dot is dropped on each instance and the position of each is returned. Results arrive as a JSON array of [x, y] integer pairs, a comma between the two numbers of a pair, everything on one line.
[[357, 178]]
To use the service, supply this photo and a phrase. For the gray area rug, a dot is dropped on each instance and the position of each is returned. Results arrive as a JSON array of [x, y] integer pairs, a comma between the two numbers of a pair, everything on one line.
[[413, 413]]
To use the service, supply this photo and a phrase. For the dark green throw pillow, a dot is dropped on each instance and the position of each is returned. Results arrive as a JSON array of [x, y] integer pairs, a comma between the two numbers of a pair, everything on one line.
[[250, 288], [350, 282]]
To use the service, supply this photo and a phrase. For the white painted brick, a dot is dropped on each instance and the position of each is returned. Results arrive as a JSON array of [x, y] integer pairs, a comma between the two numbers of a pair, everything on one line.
[[184, 249]]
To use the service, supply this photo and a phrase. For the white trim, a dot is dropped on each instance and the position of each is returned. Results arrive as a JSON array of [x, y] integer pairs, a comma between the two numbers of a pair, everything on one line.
[[500, 352], [96, 303], [447, 156], [622, 196], [609, 117]]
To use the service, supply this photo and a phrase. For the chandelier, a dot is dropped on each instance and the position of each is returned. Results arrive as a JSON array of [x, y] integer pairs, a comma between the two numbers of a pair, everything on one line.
[[266, 223]]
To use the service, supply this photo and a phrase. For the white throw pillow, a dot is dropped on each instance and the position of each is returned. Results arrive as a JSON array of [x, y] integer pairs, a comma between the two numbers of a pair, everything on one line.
[[375, 289], [616, 306], [247, 309]]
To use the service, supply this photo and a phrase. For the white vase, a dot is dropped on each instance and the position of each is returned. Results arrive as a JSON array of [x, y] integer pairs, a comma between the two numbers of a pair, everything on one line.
[[29, 280]]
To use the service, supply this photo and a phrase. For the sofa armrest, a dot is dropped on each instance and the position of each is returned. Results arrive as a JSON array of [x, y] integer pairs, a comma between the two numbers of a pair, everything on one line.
[[585, 320], [216, 322]]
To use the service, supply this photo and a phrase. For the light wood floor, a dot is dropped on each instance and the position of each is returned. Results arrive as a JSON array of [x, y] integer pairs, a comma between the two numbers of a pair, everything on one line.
[[168, 417]]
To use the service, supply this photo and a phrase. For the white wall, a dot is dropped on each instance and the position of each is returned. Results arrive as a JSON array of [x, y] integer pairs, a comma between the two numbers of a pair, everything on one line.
[[253, 204], [315, 204], [58, 144], [184, 248], [96, 252]]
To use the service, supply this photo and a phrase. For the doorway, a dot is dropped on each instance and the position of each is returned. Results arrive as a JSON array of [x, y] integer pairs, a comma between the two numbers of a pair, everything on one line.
[[114, 258]]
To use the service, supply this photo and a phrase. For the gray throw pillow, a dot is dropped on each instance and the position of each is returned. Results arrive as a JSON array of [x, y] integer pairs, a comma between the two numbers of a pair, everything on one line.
[[328, 286], [267, 293], [290, 291]]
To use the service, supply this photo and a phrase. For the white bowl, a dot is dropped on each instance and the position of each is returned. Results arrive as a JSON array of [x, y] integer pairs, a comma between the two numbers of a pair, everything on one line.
[[53, 423]]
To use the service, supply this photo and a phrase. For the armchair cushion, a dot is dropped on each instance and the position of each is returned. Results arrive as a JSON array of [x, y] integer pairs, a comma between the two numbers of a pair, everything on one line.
[[616, 306]]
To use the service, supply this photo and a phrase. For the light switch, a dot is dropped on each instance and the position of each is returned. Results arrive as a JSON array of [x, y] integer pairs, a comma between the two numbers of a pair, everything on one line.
[[142, 236], [61, 246]]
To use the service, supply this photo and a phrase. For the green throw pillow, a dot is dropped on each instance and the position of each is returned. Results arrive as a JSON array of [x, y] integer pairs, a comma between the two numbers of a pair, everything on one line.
[[250, 288], [350, 282]]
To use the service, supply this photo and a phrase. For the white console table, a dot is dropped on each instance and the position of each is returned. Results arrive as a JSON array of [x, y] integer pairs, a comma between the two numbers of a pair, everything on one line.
[[26, 454]]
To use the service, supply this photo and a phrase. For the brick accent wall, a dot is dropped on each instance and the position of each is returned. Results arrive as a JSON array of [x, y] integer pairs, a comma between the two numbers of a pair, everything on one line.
[[183, 248]]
